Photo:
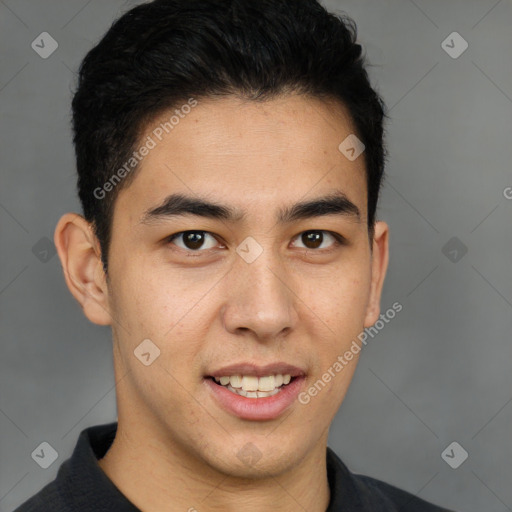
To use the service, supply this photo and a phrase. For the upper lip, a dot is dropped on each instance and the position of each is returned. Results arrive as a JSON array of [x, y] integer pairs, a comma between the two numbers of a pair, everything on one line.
[[258, 371]]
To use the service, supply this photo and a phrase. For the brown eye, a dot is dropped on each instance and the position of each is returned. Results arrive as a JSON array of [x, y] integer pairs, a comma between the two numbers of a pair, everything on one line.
[[314, 239], [192, 240]]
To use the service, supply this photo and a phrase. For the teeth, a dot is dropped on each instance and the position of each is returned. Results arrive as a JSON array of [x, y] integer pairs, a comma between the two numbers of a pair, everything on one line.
[[266, 383], [253, 394], [263, 394], [252, 386], [236, 381], [250, 383]]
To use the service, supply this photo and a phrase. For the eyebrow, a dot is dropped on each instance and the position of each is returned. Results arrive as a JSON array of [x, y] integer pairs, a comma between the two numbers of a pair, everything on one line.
[[176, 205]]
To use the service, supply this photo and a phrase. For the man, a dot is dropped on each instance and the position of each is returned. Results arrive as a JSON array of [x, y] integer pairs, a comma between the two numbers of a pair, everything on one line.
[[230, 155]]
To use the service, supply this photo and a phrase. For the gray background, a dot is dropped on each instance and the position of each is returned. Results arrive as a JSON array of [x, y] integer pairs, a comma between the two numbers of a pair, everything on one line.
[[438, 372]]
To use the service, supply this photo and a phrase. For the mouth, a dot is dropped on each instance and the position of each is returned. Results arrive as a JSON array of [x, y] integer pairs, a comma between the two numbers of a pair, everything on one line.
[[256, 392], [251, 386]]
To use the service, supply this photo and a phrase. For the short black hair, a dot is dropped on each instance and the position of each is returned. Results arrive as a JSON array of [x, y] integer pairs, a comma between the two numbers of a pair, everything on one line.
[[161, 54]]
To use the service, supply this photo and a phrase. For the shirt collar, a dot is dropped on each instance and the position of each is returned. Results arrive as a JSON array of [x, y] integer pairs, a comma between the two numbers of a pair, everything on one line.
[[83, 484]]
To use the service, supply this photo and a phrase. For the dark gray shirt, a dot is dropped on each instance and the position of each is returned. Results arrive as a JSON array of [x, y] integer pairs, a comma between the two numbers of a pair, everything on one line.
[[81, 485]]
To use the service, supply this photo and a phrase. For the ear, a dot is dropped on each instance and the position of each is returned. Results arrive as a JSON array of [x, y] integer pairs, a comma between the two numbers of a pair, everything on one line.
[[379, 267], [80, 257]]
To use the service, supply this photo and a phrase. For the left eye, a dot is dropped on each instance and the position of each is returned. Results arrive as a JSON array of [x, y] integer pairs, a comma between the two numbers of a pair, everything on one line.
[[313, 239]]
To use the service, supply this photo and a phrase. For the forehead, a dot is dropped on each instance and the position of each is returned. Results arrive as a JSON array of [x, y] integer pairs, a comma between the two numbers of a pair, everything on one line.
[[246, 153]]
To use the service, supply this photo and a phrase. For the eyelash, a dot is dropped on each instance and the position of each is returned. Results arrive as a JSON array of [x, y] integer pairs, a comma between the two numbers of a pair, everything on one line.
[[339, 240]]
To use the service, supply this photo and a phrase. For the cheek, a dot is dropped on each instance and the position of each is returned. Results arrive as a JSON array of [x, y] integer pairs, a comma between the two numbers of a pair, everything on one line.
[[341, 303], [339, 319], [143, 294], [174, 317]]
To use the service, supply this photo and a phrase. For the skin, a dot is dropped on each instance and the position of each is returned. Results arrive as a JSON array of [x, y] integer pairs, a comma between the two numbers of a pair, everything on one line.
[[175, 447]]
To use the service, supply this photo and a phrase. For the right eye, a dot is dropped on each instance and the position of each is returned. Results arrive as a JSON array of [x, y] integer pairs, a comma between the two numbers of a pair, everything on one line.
[[192, 240]]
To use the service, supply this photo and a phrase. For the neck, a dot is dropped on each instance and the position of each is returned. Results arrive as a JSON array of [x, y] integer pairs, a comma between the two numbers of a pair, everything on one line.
[[156, 477]]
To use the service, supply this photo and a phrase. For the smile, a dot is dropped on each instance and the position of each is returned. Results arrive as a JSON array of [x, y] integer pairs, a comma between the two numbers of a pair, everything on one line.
[[250, 386]]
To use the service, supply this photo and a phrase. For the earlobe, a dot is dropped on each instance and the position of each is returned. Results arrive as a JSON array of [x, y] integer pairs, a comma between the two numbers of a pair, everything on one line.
[[379, 267], [79, 254]]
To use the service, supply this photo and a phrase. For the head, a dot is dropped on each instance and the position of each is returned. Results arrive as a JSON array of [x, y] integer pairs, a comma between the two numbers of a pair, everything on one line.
[[240, 107]]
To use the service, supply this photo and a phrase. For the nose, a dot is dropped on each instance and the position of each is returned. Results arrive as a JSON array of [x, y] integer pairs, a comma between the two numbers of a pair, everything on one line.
[[260, 299]]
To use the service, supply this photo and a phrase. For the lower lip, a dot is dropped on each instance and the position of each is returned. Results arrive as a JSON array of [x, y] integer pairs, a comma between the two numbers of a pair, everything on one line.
[[266, 408]]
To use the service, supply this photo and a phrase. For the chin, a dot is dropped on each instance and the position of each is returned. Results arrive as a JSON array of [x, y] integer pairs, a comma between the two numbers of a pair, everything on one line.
[[250, 457]]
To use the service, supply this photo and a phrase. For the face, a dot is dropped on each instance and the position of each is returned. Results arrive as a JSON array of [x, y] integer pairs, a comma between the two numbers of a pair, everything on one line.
[[254, 289]]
